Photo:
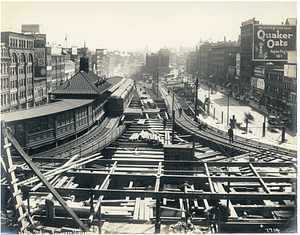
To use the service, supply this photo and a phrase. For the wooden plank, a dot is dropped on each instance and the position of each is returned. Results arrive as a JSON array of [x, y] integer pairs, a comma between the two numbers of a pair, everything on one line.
[[195, 200], [221, 189], [130, 186], [45, 181], [209, 179], [147, 208], [136, 209], [142, 210], [181, 207]]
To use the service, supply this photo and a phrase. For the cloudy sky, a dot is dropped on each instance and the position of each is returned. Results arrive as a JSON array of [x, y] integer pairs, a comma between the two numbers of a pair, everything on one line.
[[131, 26]]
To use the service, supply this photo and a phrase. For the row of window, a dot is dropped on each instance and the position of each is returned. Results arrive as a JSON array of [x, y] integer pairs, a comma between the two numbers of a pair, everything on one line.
[[22, 58], [4, 99], [291, 86], [4, 83], [41, 124], [20, 43], [4, 68], [13, 70], [4, 52], [65, 118], [275, 77]]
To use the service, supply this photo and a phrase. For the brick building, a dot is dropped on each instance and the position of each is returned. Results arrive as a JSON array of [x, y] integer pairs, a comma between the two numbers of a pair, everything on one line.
[[18, 76]]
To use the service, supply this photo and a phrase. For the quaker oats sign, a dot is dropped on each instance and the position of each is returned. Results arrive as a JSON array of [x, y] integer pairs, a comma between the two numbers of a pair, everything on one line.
[[272, 42]]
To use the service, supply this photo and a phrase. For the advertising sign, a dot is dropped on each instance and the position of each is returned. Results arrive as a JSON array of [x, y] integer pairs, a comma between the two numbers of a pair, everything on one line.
[[259, 72], [39, 40], [30, 28], [261, 83], [272, 42], [40, 62], [254, 82]]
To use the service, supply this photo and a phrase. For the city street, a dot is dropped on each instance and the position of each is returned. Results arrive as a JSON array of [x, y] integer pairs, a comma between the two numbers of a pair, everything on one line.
[[219, 104]]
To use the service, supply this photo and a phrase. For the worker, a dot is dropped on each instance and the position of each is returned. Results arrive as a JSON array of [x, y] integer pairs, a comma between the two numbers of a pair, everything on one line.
[[230, 134], [180, 112], [165, 122]]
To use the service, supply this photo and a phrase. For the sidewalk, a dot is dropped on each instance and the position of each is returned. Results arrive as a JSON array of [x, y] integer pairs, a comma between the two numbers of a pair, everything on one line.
[[273, 139]]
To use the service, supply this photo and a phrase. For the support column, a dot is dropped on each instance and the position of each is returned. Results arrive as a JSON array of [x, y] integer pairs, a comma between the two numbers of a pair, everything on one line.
[[173, 125], [157, 216], [196, 100]]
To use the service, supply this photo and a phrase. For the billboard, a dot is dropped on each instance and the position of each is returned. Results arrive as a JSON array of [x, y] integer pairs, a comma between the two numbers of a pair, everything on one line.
[[272, 42], [40, 62], [30, 28], [39, 40]]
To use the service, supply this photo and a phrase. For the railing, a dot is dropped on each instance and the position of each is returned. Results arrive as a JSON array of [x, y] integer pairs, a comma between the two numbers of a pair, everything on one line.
[[241, 140], [92, 146]]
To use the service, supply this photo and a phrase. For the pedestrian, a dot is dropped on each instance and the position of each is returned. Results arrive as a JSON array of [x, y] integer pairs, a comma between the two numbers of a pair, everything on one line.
[[230, 134], [165, 122], [180, 112]]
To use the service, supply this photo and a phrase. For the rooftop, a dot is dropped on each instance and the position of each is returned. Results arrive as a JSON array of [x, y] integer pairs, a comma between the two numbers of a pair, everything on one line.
[[43, 110]]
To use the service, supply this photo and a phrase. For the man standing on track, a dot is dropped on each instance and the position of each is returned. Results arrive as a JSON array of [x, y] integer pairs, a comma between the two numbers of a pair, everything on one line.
[[230, 134]]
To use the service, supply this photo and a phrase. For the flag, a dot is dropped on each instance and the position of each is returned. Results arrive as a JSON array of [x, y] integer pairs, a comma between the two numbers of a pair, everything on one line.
[[66, 38]]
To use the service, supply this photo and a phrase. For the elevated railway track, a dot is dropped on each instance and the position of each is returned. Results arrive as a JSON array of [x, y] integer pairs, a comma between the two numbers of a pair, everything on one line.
[[218, 140], [133, 180]]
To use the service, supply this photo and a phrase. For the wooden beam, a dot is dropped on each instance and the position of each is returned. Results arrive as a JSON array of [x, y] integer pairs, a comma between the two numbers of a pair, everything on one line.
[[209, 179], [266, 189], [104, 185], [46, 182]]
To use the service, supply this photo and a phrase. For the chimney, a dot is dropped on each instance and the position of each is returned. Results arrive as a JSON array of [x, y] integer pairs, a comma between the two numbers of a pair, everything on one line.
[[225, 39], [84, 63]]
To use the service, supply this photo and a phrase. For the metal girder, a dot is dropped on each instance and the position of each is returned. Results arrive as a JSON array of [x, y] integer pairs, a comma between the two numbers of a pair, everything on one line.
[[177, 194]]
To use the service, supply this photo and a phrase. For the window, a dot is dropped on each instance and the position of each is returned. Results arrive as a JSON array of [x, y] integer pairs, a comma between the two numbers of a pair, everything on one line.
[[50, 123], [31, 127], [20, 129], [44, 124], [68, 117], [4, 99], [38, 125], [63, 119], [58, 120]]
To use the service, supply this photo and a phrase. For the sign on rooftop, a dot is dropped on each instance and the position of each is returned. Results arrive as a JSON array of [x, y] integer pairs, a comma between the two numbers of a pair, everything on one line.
[[272, 42], [30, 28]]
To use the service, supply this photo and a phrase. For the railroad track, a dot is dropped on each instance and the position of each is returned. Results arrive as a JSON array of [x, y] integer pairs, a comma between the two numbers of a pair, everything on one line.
[[88, 143], [220, 140]]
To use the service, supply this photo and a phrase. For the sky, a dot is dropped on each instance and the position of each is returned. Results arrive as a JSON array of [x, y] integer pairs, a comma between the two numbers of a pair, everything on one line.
[[131, 26]]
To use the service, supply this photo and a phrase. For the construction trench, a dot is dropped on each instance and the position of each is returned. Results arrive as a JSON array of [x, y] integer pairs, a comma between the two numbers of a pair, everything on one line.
[[156, 177]]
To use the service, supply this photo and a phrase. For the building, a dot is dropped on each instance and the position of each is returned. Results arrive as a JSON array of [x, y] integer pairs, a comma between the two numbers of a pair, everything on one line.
[[204, 55], [261, 44], [223, 55], [19, 75], [290, 89], [43, 69], [191, 65], [247, 32], [5, 81]]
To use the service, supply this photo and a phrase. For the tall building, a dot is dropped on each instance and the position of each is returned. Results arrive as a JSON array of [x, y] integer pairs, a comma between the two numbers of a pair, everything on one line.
[[102, 62], [58, 59], [5, 81], [18, 76], [223, 55], [43, 69]]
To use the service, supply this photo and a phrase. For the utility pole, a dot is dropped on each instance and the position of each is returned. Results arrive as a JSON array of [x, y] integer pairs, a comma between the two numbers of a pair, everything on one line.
[[228, 110], [157, 83], [264, 127], [208, 103], [196, 101]]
